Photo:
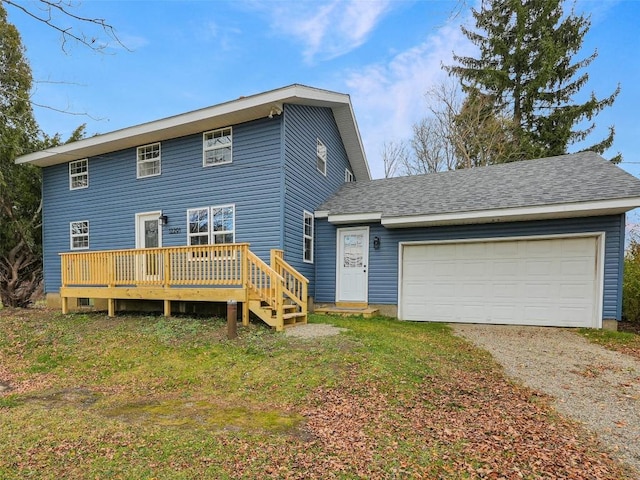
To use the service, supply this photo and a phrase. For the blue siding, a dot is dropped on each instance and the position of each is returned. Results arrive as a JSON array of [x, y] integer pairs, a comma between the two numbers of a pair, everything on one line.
[[305, 187], [252, 182], [383, 263]]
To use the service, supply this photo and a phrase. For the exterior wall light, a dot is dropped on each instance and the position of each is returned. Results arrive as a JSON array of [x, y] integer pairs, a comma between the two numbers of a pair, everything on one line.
[[163, 219], [376, 243]]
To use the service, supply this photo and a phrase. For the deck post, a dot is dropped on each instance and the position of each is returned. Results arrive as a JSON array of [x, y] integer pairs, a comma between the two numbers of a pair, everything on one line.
[[111, 307], [245, 312], [65, 305], [167, 308]]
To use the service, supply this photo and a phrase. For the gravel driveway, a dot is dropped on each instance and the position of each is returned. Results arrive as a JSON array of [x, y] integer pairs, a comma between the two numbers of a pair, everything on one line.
[[595, 386]]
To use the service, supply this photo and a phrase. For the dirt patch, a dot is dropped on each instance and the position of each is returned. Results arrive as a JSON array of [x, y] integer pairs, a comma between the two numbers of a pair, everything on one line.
[[77, 397], [313, 330]]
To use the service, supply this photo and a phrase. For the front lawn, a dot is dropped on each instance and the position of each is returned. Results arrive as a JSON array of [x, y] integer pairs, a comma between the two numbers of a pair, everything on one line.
[[139, 397]]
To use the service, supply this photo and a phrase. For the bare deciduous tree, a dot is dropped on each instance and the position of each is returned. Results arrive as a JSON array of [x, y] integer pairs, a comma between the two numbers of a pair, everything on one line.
[[394, 157], [94, 33]]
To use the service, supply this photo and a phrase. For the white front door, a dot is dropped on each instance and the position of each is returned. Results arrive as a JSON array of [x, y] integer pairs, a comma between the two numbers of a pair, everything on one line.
[[148, 235], [352, 267]]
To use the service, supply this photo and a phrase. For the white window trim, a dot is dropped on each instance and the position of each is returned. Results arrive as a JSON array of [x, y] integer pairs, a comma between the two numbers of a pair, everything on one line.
[[224, 232], [307, 215], [72, 236], [139, 162], [205, 149], [210, 232], [348, 176], [199, 234], [321, 154], [72, 176]]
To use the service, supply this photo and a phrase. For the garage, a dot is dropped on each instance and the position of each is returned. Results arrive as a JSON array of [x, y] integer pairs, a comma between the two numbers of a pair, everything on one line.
[[524, 281]]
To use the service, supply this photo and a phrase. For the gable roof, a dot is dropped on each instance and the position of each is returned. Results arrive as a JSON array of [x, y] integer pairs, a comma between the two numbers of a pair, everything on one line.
[[242, 110], [581, 184]]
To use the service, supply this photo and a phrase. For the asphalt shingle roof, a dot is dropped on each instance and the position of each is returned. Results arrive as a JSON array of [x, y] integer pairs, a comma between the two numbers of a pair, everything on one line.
[[578, 177]]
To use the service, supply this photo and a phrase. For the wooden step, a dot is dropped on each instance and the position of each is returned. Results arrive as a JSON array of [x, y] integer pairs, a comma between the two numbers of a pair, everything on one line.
[[287, 316]]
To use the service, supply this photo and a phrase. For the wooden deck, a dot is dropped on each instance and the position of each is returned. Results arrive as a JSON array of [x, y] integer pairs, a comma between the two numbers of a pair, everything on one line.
[[276, 293]]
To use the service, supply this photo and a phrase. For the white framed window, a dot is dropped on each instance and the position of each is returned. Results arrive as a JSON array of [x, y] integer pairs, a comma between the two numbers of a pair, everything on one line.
[[307, 235], [211, 225], [149, 160], [79, 235], [321, 157], [348, 175], [223, 225], [78, 174], [217, 147], [198, 226]]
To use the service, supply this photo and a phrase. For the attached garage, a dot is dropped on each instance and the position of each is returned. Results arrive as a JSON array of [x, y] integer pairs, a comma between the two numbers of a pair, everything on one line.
[[537, 242], [523, 281]]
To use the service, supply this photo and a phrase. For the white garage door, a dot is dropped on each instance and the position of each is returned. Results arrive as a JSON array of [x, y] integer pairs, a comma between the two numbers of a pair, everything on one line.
[[524, 282]]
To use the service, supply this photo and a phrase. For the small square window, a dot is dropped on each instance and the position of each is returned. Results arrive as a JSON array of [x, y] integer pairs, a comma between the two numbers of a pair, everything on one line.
[[321, 157], [307, 235], [149, 164], [85, 302], [217, 147], [78, 174], [348, 176], [79, 234]]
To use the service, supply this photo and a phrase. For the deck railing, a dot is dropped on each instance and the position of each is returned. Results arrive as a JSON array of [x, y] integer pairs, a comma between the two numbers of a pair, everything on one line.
[[202, 265]]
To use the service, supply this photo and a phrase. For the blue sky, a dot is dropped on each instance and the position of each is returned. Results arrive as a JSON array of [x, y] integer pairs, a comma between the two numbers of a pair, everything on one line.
[[186, 55]]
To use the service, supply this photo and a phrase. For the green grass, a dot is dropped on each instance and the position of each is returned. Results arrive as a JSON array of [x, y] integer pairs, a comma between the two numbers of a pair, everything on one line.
[[611, 339], [145, 397]]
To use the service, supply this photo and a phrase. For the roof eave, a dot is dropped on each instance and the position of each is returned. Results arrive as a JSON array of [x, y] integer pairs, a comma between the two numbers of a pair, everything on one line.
[[543, 212], [234, 112]]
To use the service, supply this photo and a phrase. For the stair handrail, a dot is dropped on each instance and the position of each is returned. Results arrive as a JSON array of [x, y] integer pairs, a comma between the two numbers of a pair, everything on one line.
[[257, 274], [295, 285]]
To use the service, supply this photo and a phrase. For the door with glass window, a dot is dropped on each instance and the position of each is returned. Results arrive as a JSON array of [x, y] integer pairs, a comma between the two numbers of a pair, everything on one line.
[[149, 235], [353, 257]]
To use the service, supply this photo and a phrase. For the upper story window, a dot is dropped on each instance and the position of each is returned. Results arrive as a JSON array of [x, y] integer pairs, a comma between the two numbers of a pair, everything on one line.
[[149, 160], [79, 235], [210, 226], [321, 157], [78, 174], [217, 147], [307, 235], [348, 175]]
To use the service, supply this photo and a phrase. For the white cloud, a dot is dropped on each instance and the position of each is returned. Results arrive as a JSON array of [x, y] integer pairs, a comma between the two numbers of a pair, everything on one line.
[[326, 30], [389, 98]]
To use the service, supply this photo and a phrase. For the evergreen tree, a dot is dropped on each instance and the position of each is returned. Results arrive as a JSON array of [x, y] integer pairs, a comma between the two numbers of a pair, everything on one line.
[[20, 239], [526, 67]]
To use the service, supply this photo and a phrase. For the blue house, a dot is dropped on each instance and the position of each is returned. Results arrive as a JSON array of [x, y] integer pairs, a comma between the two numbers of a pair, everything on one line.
[[267, 201]]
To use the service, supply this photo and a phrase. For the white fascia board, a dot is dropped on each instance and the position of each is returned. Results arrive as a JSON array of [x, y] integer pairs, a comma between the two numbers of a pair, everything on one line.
[[582, 209], [230, 113], [354, 218], [321, 214]]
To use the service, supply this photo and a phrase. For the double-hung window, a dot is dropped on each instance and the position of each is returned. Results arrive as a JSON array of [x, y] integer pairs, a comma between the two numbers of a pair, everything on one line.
[[79, 235], [78, 174], [211, 225], [307, 234], [149, 163], [217, 147], [321, 157]]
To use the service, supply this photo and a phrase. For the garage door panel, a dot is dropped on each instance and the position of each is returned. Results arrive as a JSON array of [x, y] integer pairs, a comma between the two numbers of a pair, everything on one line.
[[528, 282]]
